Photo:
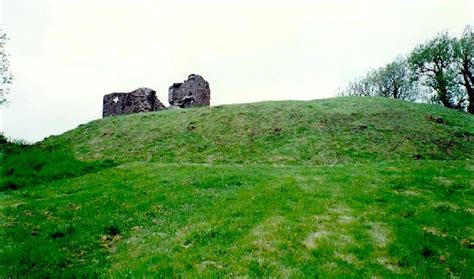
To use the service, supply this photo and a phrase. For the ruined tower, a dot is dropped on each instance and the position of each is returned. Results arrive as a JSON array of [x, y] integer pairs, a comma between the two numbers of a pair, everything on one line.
[[139, 100], [193, 92]]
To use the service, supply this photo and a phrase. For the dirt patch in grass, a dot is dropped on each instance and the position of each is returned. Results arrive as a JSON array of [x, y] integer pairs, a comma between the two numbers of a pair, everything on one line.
[[349, 258], [389, 264], [434, 231], [265, 235], [333, 226], [408, 192], [311, 240], [380, 234]]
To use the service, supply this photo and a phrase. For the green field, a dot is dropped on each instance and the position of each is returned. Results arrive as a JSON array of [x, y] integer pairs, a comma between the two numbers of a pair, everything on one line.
[[353, 187]]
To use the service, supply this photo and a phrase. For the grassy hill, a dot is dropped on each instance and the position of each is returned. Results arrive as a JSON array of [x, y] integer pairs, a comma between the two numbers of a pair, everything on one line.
[[332, 131], [336, 187]]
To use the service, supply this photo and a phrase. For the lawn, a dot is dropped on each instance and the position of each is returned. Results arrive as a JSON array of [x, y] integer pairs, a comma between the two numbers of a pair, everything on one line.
[[389, 219]]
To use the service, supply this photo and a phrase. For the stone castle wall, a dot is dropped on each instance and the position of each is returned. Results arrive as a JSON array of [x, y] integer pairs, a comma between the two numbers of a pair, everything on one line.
[[140, 100], [193, 92]]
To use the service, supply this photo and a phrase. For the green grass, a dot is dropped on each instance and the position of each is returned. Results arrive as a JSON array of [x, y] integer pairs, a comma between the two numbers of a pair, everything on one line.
[[332, 131], [303, 200], [25, 166]]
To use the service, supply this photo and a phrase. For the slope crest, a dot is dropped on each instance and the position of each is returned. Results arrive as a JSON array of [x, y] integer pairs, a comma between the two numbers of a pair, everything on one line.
[[330, 131]]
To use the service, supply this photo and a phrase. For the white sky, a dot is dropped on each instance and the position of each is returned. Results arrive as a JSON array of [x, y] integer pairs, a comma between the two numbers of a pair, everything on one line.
[[66, 54]]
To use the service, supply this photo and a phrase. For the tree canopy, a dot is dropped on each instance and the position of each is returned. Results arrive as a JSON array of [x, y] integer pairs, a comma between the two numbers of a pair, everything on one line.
[[391, 81], [439, 70], [5, 75], [464, 57]]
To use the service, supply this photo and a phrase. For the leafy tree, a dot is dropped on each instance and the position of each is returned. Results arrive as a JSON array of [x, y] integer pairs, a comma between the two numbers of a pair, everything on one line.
[[464, 54], [440, 71], [393, 80], [359, 87], [5, 75], [390, 81], [433, 65]]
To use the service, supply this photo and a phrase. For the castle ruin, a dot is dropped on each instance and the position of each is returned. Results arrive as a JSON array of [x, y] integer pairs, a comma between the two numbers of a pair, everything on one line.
[[193, 92], [139, 100]]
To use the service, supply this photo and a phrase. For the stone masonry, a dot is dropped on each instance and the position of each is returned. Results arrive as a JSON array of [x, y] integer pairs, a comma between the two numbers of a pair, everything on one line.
[[139, 100], [193, 92]]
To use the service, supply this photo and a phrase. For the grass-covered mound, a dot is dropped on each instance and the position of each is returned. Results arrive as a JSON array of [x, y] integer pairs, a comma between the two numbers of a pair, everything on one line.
[[330, 188], [332, 131]]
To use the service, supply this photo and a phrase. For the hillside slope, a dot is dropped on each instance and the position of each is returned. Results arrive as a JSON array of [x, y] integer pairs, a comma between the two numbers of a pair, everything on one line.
[[346, 187], [400, 219], [339, 130]]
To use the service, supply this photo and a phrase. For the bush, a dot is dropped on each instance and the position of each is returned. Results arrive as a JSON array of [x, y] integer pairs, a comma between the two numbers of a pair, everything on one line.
[[23, 166]]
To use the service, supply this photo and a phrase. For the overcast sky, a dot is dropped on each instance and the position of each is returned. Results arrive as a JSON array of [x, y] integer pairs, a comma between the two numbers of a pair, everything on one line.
[[66, 54]]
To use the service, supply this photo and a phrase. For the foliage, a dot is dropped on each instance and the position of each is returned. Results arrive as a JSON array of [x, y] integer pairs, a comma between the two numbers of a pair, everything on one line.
[[23, 166], [9, 146], [432, 63], [464, 55], [391, 81], [439, 70], [362, 87], [5, 75]]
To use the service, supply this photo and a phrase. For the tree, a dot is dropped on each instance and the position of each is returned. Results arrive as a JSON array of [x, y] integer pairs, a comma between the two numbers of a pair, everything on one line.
[[464, 55], [359, 87], [390, 81], [5, 74], [393, 80], [433, 65], [440, 71]]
